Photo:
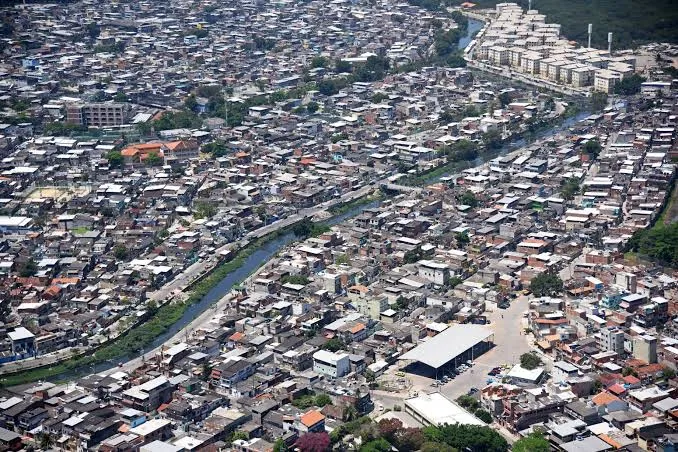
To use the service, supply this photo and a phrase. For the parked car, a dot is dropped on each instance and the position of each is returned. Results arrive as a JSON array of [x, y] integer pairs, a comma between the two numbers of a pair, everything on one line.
[[473, 391]]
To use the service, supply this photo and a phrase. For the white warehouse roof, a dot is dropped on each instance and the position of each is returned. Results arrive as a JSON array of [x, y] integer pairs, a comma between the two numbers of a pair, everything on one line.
[[447, 345]]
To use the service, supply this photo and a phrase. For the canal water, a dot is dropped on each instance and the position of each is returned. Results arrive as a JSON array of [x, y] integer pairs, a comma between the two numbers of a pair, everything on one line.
[[251, 264], [473, 27]]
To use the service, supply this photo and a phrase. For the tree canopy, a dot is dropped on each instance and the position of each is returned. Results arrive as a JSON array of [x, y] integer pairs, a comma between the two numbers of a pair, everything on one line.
[[659, 242], [532, 443], [115, 159], [629, 85], [592, 148], [467, 437], [546, 284], [570, 188], [530, 361]]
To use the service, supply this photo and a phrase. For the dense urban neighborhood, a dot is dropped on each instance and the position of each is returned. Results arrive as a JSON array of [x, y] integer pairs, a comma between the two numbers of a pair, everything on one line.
[[358, 225]]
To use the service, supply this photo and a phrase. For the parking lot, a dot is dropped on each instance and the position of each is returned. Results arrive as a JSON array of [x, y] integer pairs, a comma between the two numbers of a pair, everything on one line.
[[510, 342]]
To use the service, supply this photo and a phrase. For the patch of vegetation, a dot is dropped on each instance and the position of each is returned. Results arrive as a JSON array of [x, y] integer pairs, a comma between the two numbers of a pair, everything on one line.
[[530, 361], [307, 228], [334, 345], [312, 399], [570, 188], [659, 243], [658, 21], [472, 405], [546, 285], [532, 443], [629, 85], [345, 207], [467, 437], [295, 279]]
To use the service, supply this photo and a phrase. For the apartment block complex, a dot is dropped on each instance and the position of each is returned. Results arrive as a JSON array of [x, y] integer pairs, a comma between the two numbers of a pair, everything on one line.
[[105, 114]]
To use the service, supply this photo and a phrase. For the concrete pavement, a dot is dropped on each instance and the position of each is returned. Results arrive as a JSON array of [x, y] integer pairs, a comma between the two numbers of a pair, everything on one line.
[[510, 340]]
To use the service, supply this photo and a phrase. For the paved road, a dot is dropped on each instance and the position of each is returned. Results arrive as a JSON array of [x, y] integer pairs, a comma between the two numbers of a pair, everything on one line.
[[510, 341]]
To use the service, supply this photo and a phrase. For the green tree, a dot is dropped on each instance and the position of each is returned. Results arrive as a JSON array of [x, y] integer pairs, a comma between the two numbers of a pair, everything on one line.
[[240, 435], [120, 97], [668, 373], [468, 402], [342, 259], [322, 399], [312, 107], [191, 103], [46, 441], [349, 413], [153, 159], [334, 345], [120, 252], [462, 239], [30, 268], [529, 361], [93, 30], [550, 104], [629, 371], [597, 387], [280, 446], [204, 210], [505, 98], [295, 279], [463, 151], [492, 139], [592, 148], [115, 159], [468, 198], [629, 85], [570, 188], [217, 148], [454, 282], [379, 97], [483, 416], [431, 446], [598, 101], [467, 437], [319, 61], [532, 443], [659, 243], [377, 445], [341, 66], [546, 284]]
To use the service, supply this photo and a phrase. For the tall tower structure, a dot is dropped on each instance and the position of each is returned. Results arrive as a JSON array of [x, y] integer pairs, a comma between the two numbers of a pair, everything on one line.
[[609, 43], [590, 31]]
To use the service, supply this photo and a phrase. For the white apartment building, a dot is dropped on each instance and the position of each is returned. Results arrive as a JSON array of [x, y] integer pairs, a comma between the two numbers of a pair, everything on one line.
[[331, 364]]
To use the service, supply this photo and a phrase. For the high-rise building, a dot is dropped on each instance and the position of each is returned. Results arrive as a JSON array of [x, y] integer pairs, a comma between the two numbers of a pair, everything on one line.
[[612, 339], [100, 114], [645, 348]]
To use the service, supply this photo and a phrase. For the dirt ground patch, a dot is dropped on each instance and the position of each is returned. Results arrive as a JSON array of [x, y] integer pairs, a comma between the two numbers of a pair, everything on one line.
[[58, 193]]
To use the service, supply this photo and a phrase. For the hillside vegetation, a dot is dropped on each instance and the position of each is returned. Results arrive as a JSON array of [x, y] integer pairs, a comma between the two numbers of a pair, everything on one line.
[[633, 22]]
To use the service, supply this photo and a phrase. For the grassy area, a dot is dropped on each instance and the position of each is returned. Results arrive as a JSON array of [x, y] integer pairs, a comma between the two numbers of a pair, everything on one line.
[[343, 208], [658, 243], [670, 213], [631, 21]]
